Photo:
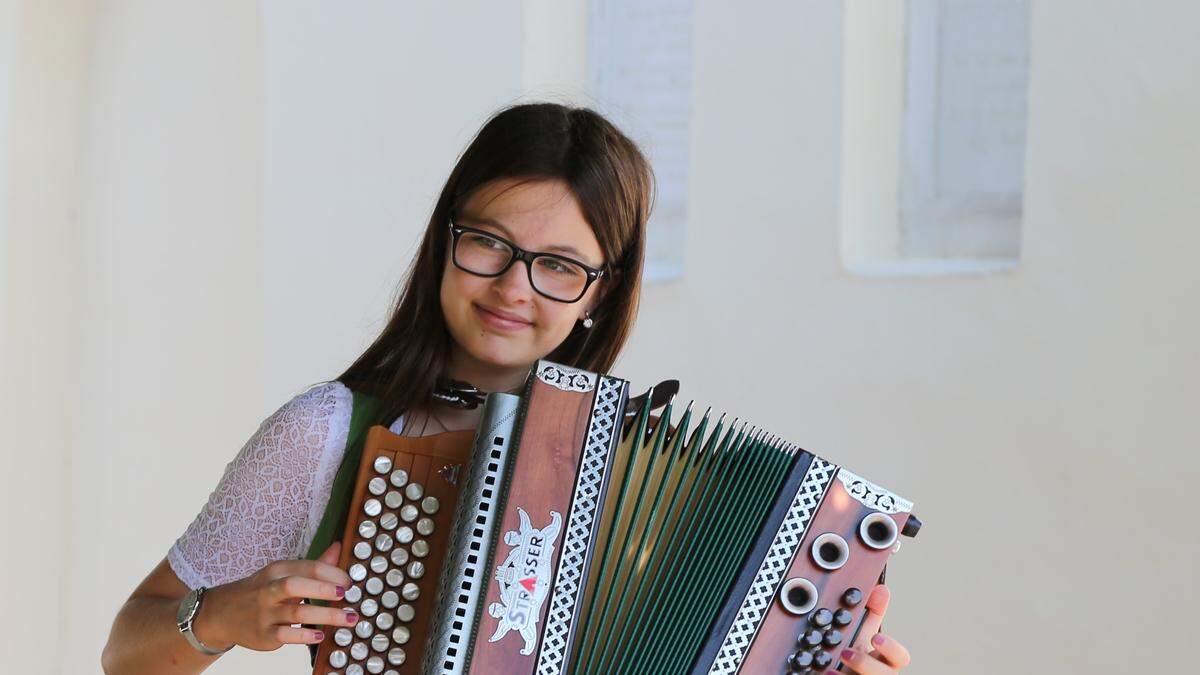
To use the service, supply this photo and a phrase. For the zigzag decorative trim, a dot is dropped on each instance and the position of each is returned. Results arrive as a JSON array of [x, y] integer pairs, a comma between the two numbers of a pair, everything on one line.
[[568, 583]]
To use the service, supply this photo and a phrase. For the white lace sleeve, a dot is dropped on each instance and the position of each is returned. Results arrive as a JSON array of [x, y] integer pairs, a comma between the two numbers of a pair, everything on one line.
[[272, 495]]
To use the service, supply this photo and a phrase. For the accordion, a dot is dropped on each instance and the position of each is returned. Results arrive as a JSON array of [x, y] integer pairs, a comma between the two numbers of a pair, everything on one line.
[[575, 531]]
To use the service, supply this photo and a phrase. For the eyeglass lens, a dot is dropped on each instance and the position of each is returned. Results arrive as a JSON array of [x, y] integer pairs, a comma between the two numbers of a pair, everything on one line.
[[555, 277]]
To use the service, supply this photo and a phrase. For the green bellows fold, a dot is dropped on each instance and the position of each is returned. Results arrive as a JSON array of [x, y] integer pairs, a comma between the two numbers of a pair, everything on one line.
[[677, 522]]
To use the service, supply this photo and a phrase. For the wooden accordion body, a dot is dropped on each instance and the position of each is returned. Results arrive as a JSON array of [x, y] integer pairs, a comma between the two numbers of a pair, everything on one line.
[[574, 536]]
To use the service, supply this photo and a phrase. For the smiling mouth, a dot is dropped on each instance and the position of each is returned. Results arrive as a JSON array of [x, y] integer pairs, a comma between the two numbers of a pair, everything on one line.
[[496, 321]]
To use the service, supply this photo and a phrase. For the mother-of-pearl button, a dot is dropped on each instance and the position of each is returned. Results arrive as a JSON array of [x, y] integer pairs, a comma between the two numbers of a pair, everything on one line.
[[399, 477], [375, 665], [425, 527], [372, 507], [353, 595], [367, 529], [390, 599], [399, 556], [382, 464], [395, 656], [359, 651], [410, 591], [379, 564], [357, 572], [362, 550], [416, 569], [420, 548], [400, 635], [404, 534], [377, 486], [368, 607], [337, 658], [362, 629], [430, 505], [374, 586], [343, 637], [383, 543], [405, 613], [385, 621], [380, 642], [387, 521], [395, 577], [414, 491], [409, 513], [393, 499]]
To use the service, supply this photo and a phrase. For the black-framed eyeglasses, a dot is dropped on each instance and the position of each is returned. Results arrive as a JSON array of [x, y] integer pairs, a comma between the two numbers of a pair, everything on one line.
[[553, 276]]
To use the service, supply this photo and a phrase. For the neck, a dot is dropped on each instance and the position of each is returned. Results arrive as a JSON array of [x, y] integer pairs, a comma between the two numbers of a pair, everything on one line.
[[485, 376]]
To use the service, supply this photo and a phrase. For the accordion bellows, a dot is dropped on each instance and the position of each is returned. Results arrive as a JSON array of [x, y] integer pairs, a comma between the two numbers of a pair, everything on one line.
[[593, 536]]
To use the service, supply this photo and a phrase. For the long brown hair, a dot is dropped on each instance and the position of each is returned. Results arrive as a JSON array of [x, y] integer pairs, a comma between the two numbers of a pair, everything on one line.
[[614, 185]]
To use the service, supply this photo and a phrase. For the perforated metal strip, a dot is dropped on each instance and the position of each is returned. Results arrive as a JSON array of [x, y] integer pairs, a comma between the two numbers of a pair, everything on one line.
[[464, 576]]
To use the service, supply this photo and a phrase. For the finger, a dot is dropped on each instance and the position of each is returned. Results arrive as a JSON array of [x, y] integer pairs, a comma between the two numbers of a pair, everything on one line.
[[877, 605], [890, 651], [289, 635], [292, 588], [312, 569], [316, 615], [856, 661], [331, 554]]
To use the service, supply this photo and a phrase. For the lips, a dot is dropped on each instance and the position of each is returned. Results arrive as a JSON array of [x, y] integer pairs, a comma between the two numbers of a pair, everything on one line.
[[501, 319]]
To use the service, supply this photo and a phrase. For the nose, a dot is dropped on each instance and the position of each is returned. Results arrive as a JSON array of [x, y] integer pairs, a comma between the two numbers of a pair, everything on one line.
[[513, 286]]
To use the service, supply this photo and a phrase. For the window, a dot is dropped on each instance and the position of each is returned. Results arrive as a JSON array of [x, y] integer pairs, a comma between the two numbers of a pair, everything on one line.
[[938, 90], [639, 73]]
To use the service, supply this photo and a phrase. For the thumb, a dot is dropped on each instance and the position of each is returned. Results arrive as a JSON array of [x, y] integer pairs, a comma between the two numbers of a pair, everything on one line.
[[877, 604], [331, 554]]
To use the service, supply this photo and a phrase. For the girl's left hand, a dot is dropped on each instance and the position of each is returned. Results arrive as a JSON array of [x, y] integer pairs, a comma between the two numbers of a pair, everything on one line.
[[874, 653]]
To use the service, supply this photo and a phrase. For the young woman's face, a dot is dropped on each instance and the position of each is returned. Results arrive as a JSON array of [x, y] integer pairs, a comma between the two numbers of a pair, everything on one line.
[[502, 321]]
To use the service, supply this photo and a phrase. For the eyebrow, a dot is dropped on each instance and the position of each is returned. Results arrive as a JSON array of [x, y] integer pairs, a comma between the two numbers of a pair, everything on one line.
[[480, 220]]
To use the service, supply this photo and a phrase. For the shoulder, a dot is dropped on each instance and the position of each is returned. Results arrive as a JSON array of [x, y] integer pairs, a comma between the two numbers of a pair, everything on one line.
[[317, 401], [304, 425]]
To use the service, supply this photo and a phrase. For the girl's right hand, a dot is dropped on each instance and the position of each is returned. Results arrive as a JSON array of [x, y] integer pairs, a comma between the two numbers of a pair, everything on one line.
[[259, 612]]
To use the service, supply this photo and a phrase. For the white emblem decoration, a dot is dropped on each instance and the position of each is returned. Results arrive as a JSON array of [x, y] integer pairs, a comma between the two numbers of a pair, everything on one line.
[[873, 496], [524, 579], [565, 377]]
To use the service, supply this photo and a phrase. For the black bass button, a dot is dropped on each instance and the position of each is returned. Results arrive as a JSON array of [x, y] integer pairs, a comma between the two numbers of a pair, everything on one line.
[[812, 638], [822, 618], [852, 597], [800, 662], [842, 617], [833, 638]]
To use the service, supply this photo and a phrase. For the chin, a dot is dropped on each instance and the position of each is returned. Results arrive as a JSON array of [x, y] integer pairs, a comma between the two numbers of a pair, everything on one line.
[[498, 352]]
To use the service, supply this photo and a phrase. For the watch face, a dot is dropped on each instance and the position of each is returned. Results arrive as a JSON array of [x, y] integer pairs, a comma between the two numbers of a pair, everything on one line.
[[186, 608]]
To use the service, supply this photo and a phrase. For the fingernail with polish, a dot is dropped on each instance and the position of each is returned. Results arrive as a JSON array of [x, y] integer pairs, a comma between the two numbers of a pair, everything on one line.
[[878, 640], [848, 654], [339, 592], [318, 636], [351, 617]]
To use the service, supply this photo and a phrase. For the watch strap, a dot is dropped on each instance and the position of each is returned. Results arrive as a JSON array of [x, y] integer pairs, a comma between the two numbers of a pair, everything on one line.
[[185, 626]]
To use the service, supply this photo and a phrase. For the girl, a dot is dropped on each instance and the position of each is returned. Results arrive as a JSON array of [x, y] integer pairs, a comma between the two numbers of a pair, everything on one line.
[[534, 250]]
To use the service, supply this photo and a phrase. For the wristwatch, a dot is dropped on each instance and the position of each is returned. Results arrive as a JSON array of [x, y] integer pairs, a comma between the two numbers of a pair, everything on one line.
[[188, 608]]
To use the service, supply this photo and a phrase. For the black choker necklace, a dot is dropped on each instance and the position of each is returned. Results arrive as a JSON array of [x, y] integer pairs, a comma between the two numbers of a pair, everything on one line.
[[464, 395], [458, 394]]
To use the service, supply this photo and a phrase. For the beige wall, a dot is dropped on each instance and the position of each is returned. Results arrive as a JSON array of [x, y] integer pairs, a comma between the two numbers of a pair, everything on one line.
[[207, 206], [43, 72]]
